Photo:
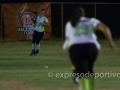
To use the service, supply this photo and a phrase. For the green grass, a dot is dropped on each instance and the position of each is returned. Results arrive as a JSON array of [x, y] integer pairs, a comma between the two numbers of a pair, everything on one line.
[[17, 66]]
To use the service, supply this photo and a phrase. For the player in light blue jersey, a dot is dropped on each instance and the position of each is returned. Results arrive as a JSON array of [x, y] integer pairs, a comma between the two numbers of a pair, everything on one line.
[[40, 22], [83, 46]]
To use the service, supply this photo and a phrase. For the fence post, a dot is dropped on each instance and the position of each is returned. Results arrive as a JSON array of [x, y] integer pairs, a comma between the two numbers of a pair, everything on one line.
[[2, 23], [62, 19], [95, 13], [0, 20], [95, 10]]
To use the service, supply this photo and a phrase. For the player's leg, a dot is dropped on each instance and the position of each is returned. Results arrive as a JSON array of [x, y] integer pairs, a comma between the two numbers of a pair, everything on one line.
[[39, 38], [82, 68], [93, 55], [84, 74], [88, 83], [33, 43], [75, 77], [77, 55], [80, 58]]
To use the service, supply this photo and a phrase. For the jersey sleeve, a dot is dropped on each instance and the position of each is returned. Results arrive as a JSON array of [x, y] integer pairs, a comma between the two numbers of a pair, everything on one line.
[[46, 20], [95, 22], [37, 20], [65, 44], [67, 26]]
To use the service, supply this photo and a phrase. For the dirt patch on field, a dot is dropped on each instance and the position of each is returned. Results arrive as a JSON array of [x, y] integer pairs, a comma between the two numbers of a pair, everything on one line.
[[19, 85]]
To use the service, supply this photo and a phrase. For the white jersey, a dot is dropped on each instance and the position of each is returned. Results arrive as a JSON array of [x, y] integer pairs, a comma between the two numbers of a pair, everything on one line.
[[82, 33], [39, 20]]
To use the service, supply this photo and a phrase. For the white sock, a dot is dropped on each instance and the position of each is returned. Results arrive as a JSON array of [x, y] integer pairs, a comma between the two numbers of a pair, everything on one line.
[[38, 47], [33, 46], [77, 79]]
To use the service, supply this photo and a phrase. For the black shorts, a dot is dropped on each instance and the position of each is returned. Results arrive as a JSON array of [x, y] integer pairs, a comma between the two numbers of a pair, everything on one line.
[[37, 36], [83, 57]]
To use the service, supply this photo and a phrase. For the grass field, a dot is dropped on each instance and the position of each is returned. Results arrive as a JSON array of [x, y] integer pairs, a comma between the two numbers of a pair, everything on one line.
[[19, 71]]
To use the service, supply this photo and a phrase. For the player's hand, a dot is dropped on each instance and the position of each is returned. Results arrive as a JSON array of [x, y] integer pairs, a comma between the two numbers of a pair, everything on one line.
[[42, 24], [112, 45]]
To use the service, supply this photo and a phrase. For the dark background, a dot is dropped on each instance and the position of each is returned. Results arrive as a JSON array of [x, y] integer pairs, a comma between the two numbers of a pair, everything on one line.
[[20, 1], [107, 11]]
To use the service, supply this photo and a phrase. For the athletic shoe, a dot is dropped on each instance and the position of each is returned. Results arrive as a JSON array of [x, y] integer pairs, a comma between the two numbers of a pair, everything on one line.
[[32, 53], [75, 77], [36, 52]]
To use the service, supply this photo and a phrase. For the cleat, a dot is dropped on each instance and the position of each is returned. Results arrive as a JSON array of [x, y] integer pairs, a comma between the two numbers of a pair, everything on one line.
[[75, 78], [36, 52], [32, 53]]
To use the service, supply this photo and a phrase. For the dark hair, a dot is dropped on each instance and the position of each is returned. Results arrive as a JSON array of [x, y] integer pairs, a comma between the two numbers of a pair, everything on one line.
[[77, 13], [42, 9]]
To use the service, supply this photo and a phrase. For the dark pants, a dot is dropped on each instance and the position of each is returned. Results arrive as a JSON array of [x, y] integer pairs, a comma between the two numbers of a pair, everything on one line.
[[37, 36], [83, 57]]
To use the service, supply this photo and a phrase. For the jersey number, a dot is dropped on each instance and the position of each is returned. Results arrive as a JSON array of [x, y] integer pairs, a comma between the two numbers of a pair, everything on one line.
[[81, 30]]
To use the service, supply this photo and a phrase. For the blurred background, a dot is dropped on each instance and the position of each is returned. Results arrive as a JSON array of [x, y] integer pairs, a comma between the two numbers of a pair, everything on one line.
[[58, 13]]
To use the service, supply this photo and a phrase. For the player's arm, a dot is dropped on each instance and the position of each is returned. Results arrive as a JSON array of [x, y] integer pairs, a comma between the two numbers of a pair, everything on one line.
[[65, 44], [107, 33], [46, 22]]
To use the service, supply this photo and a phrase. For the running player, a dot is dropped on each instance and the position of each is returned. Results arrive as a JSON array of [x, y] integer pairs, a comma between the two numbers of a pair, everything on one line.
[[40, 22], [83, 46]]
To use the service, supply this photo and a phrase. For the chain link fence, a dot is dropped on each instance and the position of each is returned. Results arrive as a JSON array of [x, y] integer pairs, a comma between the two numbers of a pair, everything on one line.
[[0, 21], [106, 12], [109, 13]]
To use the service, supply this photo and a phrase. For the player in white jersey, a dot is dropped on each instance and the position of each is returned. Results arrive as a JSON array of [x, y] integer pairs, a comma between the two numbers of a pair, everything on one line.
[[83, 47], [67, 43], [40, 21]]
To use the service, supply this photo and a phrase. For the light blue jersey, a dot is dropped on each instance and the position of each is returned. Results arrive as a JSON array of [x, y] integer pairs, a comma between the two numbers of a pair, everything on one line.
[[39, 20]]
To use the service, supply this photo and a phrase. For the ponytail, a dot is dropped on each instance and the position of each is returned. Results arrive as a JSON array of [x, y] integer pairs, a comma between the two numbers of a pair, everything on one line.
[[77, 13]]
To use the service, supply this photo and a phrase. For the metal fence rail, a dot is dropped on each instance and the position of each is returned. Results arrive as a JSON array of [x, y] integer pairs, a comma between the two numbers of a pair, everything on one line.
[[106, 12], [109, 13]]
